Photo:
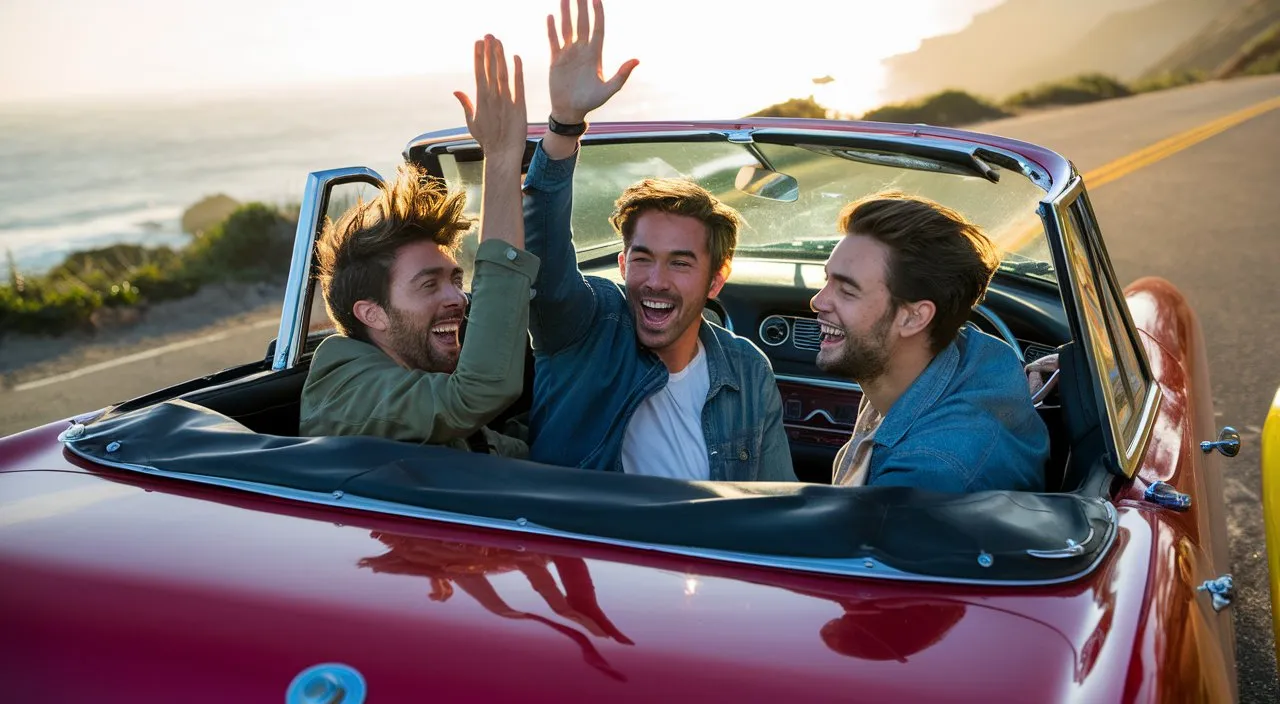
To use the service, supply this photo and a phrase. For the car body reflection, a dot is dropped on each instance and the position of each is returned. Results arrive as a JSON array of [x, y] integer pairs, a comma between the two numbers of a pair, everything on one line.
[[449, 564]]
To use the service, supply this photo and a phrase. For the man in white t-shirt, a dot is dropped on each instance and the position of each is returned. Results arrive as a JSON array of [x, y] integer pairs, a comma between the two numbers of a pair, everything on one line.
[[631, 378]]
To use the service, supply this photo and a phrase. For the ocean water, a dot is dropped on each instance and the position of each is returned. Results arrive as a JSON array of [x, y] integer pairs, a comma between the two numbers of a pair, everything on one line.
[[78, 175]]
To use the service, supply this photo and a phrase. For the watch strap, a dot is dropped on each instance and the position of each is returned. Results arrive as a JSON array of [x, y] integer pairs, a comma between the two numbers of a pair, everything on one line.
[[570, 130]]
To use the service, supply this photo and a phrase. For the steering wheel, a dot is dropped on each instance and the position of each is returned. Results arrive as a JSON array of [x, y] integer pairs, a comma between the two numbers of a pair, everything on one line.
[[997, 323]]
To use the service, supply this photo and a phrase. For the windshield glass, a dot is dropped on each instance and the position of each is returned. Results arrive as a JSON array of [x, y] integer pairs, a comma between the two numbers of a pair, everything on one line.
[[828, 178]]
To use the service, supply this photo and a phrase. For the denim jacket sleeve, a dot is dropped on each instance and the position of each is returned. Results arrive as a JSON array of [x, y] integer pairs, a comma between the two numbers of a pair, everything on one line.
[[563, 304], [775, 449], [978, 455]]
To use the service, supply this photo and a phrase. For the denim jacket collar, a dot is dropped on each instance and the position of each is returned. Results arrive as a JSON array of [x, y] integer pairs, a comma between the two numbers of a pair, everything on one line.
[[717, 361], [923, 393]]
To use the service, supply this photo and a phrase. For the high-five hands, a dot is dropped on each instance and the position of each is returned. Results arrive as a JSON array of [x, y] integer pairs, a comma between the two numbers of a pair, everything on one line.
[[497, 118], [576, 78]]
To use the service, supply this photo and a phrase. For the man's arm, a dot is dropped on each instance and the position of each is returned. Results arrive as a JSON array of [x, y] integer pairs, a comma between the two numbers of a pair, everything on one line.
[[775, 449], [564, 304], [353, 389]]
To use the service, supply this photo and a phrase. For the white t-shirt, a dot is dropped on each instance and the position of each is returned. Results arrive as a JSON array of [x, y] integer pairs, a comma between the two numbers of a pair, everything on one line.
[[664, 437]]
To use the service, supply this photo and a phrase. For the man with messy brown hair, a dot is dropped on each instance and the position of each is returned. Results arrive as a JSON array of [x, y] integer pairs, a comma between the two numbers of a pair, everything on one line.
[[393, 288]]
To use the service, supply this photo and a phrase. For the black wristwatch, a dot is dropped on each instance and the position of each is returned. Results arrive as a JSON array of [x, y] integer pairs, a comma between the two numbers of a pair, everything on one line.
[[566, 130]]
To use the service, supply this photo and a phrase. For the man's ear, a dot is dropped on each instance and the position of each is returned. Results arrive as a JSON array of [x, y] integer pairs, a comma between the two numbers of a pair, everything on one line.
[[717, 281], [622, 263], [916, 316], [371, 314]]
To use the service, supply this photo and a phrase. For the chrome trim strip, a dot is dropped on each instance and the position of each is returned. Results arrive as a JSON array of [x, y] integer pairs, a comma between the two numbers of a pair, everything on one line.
[[844, 433], [820, 383], [1073, 549], [1146, 424], [853, 567], [820, 412], [291, 338]]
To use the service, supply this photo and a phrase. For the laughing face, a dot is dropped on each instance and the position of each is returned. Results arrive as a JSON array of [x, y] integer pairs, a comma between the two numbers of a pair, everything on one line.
[[426, 308], [856, 310], [668, 276]]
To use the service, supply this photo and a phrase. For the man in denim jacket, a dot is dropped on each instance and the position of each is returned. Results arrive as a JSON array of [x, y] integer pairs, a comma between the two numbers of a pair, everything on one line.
[[943, 408], [634, 379]]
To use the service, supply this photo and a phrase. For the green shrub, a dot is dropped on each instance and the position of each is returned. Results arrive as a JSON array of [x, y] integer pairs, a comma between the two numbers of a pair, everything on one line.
[[255, 242], [47, 309], [1086, 88], [1263, 65], [111, 262], [948, 108], [1167, 80], [795, 107]]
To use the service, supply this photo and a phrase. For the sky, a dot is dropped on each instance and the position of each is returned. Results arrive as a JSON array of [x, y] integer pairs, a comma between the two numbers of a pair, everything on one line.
[[729, 54]]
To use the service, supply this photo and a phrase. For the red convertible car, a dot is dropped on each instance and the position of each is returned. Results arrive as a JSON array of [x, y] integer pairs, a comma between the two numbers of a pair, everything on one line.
[[189, 546]]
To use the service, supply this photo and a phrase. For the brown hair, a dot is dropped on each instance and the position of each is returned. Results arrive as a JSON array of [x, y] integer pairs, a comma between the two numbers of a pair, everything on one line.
[[935, 255], [680, 197], [355, 254]]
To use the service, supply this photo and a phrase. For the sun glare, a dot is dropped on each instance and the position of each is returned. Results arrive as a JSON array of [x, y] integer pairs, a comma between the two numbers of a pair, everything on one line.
[[717, 59]]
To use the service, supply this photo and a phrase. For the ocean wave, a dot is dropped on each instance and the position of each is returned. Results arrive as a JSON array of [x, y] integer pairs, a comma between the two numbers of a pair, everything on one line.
[[38, 249]]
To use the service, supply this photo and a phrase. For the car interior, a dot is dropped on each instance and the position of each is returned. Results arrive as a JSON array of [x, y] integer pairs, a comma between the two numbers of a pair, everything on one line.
[[765, 300], [819, 410]]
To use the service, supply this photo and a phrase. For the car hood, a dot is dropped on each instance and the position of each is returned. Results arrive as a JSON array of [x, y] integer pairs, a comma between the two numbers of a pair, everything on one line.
[[156, 589]]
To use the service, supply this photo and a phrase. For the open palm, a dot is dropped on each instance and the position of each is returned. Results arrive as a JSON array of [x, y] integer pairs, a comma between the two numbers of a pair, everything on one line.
[[577, 82], [497, 118]]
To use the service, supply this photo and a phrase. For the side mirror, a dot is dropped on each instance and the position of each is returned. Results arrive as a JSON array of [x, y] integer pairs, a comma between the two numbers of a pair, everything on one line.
[[768, 184]]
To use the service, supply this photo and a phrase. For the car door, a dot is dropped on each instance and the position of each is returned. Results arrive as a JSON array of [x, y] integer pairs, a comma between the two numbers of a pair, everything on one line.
[[326, 196], [1189, 543]]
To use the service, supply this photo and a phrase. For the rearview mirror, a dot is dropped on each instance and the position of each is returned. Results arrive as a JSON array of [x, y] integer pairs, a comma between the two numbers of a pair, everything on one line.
[[766, 183]]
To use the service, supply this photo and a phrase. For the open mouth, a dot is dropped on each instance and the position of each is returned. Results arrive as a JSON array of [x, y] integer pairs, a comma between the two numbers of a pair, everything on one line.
[[831, 335], [657, 313], [446, 332]]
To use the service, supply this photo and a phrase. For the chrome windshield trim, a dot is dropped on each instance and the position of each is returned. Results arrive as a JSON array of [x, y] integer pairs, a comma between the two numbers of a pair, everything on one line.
[[821, 383], [1038, 175], [864, 567], [1130, 450], [291, 337]]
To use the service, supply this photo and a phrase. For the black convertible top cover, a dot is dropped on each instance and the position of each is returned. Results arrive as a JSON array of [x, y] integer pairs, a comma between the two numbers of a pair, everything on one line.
[[981, 536]]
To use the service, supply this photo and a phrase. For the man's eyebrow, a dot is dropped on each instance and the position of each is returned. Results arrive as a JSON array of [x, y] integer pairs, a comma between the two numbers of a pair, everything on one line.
[[686, 253], [848, 280], [431, 272]]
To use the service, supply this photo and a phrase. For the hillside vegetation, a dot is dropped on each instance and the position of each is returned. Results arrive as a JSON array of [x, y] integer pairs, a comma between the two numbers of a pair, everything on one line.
[[1020, 43], [254, 243], [1213, 49]]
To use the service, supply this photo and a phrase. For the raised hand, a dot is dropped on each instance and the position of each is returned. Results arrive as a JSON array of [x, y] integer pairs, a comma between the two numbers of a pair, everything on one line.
[[497, 119], [577, 81]]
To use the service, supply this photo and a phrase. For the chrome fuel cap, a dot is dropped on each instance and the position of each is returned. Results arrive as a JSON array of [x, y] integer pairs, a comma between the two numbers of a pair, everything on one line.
[[328, 683]]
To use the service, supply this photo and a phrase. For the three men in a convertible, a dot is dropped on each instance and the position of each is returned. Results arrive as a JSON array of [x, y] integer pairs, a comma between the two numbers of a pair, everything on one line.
[[394, 290], [633, 378], [944, 407]]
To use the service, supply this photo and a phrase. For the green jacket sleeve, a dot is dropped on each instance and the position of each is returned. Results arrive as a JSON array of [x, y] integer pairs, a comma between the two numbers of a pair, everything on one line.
[[353, 388]]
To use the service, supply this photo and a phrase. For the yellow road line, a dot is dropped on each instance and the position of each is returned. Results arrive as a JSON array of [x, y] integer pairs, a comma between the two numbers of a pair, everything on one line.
[[1168, 147], [1147, 156]]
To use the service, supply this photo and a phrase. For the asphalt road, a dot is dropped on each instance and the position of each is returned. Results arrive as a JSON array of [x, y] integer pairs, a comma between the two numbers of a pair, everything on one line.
[[1206, 218]]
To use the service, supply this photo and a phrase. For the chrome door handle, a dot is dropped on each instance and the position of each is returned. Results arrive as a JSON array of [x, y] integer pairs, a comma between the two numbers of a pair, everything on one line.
[[1228, 443]]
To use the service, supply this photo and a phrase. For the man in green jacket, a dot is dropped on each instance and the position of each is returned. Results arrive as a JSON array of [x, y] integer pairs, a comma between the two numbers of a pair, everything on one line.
[[393, 288]]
